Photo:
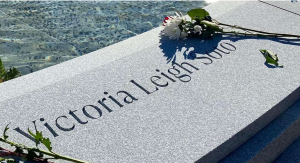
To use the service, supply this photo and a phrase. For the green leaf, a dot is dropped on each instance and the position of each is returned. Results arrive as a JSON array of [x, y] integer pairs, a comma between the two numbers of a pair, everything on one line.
[[263, 51], [40, 139], [11, 73], [200, 13], [4, 133], [47, 143], [2, 70], [38, 136], [271, 58]]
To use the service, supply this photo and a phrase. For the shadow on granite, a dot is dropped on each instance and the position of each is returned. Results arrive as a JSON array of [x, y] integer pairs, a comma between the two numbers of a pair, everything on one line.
[[291, 154], [188, 47], [193, 46]]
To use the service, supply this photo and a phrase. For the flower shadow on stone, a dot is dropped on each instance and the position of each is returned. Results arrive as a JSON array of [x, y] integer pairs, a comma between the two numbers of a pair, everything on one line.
[[201, 46], [188, 47]]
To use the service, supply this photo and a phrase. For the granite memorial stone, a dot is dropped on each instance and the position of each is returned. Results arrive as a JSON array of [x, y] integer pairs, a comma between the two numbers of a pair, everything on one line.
[[129, 103]]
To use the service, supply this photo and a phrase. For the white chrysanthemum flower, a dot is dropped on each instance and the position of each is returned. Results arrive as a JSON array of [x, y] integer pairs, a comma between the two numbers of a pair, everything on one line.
[[178, 21], [171, 27], [174, 33], [181, 17]]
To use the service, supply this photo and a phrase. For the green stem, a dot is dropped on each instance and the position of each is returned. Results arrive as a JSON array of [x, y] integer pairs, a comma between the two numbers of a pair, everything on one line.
[[56, 156], [257, 35], [262, 32]]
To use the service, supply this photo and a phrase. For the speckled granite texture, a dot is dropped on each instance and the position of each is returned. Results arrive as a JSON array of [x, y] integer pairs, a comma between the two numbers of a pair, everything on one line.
[[291, 7], [199, 112]]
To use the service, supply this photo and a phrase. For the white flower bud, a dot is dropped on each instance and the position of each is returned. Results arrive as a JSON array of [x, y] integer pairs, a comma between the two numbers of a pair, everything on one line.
[[197, 28]]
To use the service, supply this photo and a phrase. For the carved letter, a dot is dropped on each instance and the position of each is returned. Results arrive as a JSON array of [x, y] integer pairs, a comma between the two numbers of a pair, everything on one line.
[[63, 128], [185, 63], [142, 88], [155, 78], [128, 96], [88, 115], [222, 44], [77, 119]]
